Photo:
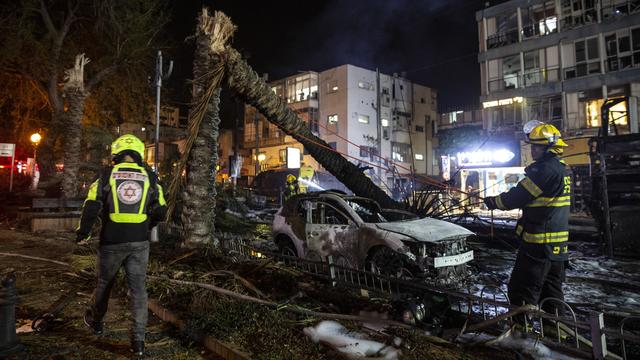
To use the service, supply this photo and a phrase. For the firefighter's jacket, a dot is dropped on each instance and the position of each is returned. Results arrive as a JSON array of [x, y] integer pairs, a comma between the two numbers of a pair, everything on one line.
[[129, 201], [545, 198], [291, 190]]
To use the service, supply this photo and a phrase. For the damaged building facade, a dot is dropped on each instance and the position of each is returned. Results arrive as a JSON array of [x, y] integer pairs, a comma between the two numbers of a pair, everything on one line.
[[341, 106], [558, 61]]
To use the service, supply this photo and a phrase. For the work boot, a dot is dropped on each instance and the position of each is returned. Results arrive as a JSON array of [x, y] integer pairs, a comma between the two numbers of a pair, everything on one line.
[[137, 348], [95, 326]]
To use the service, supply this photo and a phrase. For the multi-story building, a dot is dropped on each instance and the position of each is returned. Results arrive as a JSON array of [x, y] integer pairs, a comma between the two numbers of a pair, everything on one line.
[[557, 61], [392, 135]]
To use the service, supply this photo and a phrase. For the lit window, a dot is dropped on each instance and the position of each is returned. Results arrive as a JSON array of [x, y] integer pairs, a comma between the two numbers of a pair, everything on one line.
[[332, 86], [385, 122], [419, 157], [364, 119], [365, 85], [617, 113], [332, 119]]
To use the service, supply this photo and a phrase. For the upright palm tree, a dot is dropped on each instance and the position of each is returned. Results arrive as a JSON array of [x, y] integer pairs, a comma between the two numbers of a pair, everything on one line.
[[198, 193], [76, 94]]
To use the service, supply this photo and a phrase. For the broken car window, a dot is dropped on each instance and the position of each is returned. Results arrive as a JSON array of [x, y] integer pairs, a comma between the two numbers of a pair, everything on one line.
[[368, 211]]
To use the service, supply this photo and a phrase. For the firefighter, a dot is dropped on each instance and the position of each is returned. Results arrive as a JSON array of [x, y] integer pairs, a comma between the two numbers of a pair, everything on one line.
[[544, 196], [129, 200], [292, 187]]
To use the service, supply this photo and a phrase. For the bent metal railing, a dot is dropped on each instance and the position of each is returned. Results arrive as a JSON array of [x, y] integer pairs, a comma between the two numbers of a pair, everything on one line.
[[467, 301]]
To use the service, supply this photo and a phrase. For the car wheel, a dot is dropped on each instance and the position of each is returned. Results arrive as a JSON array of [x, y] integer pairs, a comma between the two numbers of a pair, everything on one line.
[[385, 261], [285, 246]]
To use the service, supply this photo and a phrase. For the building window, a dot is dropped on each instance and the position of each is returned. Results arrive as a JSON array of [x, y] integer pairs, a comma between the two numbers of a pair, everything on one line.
[[587, 59], [363, 119], [302, 87], [332, 119], [400, 151], [617, 114], [539, 19], [623, 49], [548, 110], [419, 128], [283, 155], [333, 145], [368, 151], [422, 101], [332, 86], [502, 30], [365, 85], [577, 13], [419, 157], [384, 122]]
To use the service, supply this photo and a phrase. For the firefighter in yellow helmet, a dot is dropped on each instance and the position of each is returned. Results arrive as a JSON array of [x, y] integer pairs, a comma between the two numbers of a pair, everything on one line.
[[544, 196], [129, 200], [292, 187]]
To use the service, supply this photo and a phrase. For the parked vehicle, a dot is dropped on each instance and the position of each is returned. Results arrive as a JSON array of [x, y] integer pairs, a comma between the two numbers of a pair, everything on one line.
[[269, 184], [355, 231]]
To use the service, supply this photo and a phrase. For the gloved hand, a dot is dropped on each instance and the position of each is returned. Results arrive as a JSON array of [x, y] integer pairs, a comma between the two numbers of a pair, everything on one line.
[[490, 201], [82, 239]]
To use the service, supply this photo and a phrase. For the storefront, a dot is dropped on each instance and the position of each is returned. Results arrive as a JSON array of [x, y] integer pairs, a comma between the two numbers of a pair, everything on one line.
[[488, 171]]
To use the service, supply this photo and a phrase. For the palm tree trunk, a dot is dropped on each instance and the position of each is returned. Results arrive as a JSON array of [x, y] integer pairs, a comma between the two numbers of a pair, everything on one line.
[[72, 142], [199, 195], [254, 91]]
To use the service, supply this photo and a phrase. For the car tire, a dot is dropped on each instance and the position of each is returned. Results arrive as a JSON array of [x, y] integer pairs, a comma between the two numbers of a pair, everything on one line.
[[385, 261], [285, 247]]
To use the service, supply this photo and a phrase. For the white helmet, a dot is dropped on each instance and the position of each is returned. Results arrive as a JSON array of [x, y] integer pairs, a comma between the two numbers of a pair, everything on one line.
[[529, 125]]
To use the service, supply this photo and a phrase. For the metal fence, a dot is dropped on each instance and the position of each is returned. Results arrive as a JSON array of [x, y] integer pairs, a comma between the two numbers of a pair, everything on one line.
[[483, 304]]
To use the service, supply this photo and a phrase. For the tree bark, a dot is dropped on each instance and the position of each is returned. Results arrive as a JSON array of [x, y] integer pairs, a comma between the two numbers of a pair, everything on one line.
[[199, 195], [254, 91], [71, 138]]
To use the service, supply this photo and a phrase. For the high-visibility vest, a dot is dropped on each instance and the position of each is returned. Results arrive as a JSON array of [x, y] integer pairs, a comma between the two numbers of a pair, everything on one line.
[[127, 186]]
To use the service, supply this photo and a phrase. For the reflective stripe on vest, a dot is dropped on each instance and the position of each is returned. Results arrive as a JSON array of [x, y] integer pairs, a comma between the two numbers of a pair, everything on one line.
[[129, 191], [558, 201], [545, 238], [531, 187]]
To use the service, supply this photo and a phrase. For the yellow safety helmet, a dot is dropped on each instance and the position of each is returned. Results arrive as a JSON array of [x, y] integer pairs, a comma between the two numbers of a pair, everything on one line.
[[546, 135], [127, 142], [291, 179]]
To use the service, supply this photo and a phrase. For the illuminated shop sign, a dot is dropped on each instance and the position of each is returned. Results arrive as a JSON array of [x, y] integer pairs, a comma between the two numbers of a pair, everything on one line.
[[499, 157], [502, 102]]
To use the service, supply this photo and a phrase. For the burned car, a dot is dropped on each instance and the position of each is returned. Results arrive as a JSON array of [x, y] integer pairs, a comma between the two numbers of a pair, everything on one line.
[[357, 233]]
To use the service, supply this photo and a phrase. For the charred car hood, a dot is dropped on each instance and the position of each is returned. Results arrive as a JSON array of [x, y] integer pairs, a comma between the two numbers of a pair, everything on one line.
[[426, 230]]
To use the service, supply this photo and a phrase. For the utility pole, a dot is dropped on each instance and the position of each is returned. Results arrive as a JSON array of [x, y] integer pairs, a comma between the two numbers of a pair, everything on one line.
[[256, 122], [379, 122], [158, 81]]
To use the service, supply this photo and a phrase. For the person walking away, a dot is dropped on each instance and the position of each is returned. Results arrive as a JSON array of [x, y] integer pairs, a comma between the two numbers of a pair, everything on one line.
[[544, 196], [129, 200]]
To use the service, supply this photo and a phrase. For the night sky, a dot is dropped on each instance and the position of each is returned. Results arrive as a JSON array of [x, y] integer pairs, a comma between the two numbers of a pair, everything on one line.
[[435, 41]]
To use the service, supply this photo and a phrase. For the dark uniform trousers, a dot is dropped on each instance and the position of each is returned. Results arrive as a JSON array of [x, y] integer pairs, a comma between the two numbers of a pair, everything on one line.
[[134, 257], [534, 279], [544, 196]]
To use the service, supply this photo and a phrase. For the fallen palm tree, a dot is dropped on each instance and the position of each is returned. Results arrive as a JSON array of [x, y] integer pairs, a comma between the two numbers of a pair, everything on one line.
[[250, 87]]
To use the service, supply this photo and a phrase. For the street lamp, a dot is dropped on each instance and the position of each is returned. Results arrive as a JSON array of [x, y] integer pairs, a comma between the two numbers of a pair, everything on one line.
[[35, 139]]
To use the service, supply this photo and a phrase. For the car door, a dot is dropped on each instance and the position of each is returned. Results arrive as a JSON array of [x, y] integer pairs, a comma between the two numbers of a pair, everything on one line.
[[326, 229]]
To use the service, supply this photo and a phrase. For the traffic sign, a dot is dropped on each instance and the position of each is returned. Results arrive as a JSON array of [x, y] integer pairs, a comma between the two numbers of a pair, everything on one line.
[[7, 149]]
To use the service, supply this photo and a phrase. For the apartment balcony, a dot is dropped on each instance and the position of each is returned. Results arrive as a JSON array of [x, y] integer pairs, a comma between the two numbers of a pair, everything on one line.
[[250, 143], [528, 79], [502, 38], [615, 11], [581, 70]]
